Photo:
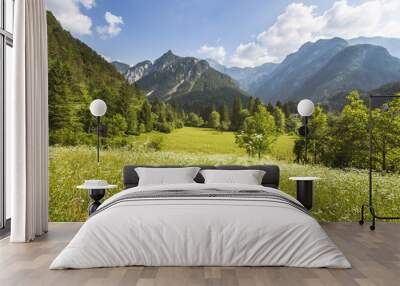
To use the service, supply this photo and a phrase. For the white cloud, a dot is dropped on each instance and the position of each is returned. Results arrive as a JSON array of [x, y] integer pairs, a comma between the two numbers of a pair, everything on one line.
[[89, 4], [216, 53], [250, 55], [113, 27], [69, 13], [300, 23]]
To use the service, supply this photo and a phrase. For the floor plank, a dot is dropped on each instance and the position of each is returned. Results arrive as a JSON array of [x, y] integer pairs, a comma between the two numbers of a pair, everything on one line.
[[375, 257]]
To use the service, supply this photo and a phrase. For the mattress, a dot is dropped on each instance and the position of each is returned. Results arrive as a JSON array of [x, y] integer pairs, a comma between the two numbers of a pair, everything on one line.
[[201, 225]]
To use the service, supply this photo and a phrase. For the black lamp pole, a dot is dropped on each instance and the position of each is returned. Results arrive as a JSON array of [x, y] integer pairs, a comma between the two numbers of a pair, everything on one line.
[[98, 138], [305, 139]]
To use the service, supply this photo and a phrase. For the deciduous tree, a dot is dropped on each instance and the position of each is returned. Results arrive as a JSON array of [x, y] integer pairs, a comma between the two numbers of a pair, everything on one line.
[[257, 133]]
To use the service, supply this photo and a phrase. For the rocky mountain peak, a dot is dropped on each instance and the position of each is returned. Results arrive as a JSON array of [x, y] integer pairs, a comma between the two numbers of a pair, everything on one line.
[[169, 56], [136, 72]]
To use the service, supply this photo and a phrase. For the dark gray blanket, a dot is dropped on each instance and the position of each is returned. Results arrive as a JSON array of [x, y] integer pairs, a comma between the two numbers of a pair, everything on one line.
[[206, 194]]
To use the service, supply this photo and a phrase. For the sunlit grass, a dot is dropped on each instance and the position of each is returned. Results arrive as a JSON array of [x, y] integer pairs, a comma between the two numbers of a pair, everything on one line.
[[211, 141], [338, 195], [282, 149], [196, 140]]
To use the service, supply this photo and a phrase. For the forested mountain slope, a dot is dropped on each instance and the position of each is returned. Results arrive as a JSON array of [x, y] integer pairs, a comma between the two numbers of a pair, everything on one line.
[[77, 75]]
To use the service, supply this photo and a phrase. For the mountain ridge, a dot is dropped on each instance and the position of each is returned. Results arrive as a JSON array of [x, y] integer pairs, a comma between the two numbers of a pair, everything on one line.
[[362, 67], [296, 69], [246, 77], [390, 44], [172, 78], [120, 66], [318, 70]]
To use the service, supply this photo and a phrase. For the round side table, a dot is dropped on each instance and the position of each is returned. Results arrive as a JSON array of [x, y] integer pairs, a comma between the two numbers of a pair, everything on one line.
[[96, 193], [305, 190]]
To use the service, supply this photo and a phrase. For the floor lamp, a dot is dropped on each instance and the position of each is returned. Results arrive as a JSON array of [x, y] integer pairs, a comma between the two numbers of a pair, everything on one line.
[[370, 205], [98, 108], [305, 108]]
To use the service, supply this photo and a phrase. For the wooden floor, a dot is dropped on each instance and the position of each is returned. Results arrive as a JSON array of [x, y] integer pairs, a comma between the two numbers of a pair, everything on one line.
[[375, 257]]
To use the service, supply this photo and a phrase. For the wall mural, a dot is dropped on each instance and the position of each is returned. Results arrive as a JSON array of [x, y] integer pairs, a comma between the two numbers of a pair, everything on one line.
[[216, 105]]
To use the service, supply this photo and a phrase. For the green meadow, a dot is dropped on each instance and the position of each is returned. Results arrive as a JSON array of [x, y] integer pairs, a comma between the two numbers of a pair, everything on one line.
[[210, 141], [338, 196]]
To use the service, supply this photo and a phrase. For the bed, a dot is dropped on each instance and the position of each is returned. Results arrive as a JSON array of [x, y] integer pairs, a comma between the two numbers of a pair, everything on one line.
[[197, 224]]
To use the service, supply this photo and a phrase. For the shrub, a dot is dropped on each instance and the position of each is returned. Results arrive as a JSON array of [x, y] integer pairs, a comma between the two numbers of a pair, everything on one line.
[[115, 142], [195, 120], [179, 124], [155, 143], [165, 127]]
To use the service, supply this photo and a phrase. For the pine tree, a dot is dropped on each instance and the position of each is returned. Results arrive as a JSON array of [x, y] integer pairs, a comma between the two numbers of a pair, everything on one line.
[[236, 110], [214, 120], [225, 119], [125, 104], [280, 119], [146, 116], [270, 107], [132, 121], [116, 125], [257, 103], [59, 96], [251, 105]]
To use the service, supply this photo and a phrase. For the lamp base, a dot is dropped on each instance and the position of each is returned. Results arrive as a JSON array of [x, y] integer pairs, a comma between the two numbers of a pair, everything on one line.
[[96, 195]]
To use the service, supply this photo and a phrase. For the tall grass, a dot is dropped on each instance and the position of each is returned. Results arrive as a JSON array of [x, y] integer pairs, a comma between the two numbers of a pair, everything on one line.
[[338, 195]]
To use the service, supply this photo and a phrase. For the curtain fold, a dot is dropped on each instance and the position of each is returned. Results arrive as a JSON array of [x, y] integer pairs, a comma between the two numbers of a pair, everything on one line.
[[27, 124]]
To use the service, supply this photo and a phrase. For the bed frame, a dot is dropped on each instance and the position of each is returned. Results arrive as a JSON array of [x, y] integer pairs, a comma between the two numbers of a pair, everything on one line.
[[270, 179]]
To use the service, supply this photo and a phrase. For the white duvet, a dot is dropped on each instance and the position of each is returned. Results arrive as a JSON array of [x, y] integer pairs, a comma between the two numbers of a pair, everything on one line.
[[202, 232]]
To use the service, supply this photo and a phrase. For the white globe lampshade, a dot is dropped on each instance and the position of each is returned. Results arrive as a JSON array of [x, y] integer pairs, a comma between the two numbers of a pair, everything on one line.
[[98, 107], [305, 107]]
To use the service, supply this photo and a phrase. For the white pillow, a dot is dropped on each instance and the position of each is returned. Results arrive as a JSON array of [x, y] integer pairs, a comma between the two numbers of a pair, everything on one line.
[[166, 176], [248, 177]]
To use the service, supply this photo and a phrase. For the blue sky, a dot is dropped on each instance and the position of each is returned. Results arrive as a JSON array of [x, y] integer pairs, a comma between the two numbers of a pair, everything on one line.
[[233, 32]]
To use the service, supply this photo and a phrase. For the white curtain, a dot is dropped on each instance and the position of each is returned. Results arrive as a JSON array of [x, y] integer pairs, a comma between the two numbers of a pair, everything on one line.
[[27, 124]]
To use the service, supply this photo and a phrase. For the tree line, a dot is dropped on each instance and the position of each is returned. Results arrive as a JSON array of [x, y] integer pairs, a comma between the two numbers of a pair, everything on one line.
[[336, 139], [341, 140], [225, 118]]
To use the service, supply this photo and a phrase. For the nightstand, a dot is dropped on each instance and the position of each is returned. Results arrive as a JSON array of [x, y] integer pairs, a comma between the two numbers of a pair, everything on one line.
[[96, 193], [305, 190]]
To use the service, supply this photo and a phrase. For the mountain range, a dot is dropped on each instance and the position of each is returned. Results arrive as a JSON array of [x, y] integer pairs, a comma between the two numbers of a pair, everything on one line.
[[282, 84], [319, 70], [246, 77], [191, 82], [362, 67], [324, 69]]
